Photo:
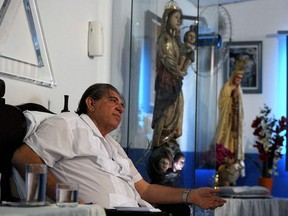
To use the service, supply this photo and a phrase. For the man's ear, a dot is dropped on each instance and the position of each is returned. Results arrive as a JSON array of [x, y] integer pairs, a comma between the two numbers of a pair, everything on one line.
[[90, 103]]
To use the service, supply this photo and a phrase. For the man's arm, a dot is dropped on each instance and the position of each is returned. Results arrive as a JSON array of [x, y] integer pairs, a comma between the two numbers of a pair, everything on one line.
[[203, 197], [25, 155]]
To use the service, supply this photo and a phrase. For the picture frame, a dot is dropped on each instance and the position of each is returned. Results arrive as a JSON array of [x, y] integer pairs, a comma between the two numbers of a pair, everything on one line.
[[251, 51]]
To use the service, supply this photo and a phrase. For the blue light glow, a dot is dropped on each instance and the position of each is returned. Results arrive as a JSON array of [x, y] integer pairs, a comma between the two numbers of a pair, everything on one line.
[[282, 82], [144, 79]]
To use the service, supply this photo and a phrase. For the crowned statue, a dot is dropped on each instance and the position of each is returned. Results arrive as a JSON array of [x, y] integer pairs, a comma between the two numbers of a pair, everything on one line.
[[230, 122], [172, 60]]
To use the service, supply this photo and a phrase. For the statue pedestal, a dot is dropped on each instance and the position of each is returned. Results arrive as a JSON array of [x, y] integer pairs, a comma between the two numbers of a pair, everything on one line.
[[228, 174]]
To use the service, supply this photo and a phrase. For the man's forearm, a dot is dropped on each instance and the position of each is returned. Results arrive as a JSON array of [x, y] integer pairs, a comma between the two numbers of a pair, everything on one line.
[[25, 155]]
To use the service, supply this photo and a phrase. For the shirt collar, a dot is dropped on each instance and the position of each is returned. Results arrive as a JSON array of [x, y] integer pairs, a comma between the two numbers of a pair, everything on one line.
[[91, 124]]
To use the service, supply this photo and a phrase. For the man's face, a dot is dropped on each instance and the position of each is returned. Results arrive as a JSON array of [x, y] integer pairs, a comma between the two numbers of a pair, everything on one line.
[[108, 112]]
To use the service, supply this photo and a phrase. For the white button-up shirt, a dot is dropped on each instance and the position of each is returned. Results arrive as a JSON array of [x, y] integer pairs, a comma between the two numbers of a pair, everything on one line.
[[77, 152]]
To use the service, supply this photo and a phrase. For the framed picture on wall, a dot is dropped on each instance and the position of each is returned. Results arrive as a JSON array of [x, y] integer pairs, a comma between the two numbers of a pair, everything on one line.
[[251, 53]]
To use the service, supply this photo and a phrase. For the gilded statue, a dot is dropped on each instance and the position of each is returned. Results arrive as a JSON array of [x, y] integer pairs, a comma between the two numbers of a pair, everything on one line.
[[231, 114], [171, 67]]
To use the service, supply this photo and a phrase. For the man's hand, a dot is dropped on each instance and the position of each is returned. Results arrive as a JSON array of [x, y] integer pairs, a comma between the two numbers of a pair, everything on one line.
[[205, 198]]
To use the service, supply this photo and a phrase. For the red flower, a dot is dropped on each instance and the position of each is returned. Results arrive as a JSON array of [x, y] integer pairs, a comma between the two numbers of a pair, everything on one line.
[[222, 155], [256, 122]]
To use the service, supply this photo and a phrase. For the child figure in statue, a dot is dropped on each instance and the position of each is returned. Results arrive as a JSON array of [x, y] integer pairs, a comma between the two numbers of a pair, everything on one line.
[[187, 50]]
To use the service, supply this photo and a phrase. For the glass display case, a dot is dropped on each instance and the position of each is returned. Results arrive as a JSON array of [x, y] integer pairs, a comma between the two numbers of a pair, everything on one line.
[[200, 87]]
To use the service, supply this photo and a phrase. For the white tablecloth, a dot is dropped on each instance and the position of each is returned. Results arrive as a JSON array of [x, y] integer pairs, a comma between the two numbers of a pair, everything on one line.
[[53, 210], [254, 207]]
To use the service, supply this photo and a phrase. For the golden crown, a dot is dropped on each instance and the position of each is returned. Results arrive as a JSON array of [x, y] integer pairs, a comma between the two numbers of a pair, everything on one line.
[[171, 5]]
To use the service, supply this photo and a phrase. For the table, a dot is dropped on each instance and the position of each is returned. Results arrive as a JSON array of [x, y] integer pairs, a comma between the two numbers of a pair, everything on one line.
[[51, 210], [253, 207], [80, 210], [114, 212]]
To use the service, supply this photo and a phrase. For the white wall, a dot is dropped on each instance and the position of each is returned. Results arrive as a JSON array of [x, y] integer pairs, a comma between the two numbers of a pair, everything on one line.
[[65, 24]]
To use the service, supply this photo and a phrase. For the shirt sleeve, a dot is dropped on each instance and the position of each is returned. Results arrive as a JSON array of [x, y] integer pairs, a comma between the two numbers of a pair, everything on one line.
[[52, 142]]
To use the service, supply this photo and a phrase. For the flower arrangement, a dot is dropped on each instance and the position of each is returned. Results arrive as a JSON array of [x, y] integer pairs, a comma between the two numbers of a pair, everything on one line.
[[223, 155], [269, 133], [217, 155]]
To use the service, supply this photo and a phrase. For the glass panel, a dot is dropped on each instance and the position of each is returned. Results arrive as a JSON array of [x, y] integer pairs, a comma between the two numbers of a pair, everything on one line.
[[199, 87], [146, 23], [209, 62]]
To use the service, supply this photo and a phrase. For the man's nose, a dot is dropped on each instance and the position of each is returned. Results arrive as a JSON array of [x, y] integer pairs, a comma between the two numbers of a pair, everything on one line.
[[120, 108]]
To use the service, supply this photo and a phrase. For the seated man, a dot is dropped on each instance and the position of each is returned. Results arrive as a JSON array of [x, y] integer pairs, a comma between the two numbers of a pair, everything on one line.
[[77, 148]]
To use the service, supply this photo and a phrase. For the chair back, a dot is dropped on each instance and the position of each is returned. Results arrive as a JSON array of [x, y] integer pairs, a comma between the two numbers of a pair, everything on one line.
[[13, 128]]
